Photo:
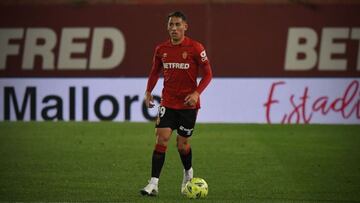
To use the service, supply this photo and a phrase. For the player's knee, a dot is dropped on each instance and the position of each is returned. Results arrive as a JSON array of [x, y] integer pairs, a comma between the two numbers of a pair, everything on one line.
[[162, 140], [162, 137], [160, 148], [183, 146], [161, 143]]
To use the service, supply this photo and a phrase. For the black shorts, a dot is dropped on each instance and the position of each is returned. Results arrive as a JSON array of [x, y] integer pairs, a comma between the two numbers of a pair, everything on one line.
[[183, 120]]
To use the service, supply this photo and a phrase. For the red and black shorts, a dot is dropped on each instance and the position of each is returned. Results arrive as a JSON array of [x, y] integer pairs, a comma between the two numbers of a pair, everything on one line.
[[183, 120]]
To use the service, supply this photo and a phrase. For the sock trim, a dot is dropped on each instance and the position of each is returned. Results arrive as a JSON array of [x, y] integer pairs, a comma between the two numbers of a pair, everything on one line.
[[160, 148]]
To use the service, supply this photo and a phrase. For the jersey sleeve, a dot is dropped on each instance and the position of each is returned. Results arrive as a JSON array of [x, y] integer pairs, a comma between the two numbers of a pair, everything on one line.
[[155, 71], [205, 67], [200, 54]]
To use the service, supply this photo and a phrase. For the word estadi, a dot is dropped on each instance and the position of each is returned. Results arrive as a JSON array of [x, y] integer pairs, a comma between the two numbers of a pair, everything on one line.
[[71, 48]]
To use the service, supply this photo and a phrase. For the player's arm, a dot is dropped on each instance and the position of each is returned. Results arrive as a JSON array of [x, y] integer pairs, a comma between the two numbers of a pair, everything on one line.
[[206, 78], [204, 64], [152, 80]]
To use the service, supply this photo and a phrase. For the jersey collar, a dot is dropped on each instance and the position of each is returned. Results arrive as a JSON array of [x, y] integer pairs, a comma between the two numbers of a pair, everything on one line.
[[183, 43]]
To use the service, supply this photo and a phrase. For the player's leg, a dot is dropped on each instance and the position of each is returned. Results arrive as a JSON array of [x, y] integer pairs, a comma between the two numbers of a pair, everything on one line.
[[183, 144], [164, 128], [184, 149], [186, 159], [158, 159], [186, 126]]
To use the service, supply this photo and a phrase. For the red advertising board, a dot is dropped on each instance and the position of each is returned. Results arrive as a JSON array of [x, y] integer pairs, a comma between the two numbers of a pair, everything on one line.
[[240, 40]]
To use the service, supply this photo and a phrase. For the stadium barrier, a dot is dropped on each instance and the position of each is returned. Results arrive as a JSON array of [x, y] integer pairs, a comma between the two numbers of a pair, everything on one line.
[[275, 63]]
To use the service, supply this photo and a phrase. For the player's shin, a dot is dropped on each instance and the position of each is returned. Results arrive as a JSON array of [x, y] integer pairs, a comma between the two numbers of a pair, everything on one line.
[[186, 159], [158, 159], [186, 156]]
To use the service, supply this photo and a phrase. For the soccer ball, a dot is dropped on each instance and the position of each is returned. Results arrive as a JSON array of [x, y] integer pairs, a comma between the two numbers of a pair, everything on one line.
[[196, 188]]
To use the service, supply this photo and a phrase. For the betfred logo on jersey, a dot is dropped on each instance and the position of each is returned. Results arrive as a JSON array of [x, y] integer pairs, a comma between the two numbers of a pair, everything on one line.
[[176, 65], [71, 48]]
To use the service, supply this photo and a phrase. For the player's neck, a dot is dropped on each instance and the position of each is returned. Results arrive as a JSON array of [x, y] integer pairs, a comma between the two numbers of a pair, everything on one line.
[[177, 42]]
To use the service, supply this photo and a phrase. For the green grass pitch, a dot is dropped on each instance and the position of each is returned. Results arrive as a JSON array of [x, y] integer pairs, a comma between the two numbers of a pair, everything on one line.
[[110, 162]]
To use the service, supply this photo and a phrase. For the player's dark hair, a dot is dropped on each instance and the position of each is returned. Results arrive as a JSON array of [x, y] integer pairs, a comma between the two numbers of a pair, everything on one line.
[[178, 14]]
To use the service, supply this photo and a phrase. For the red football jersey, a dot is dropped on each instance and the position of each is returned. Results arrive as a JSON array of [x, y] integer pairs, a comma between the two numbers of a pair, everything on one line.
[[180, 65]]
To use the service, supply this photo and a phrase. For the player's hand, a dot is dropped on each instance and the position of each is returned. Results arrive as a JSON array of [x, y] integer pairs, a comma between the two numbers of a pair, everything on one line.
[[149, 100], [191, 99]]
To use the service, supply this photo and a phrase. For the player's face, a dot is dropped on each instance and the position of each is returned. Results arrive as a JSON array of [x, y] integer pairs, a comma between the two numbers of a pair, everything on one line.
[[176, 28]]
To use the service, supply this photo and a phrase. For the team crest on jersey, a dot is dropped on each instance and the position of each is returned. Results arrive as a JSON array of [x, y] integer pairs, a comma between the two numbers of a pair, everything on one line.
[[184, 55]]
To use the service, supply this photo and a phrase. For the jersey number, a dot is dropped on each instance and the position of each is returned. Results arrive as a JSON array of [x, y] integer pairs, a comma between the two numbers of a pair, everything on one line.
[[162, 110]]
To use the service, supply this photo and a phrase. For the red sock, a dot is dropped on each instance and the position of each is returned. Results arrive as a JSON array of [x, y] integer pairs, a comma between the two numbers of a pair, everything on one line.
[[158, 160]]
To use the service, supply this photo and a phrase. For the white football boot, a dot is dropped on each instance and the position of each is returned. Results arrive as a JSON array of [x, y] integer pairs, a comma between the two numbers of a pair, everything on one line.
[[188, 175], [152, 188]]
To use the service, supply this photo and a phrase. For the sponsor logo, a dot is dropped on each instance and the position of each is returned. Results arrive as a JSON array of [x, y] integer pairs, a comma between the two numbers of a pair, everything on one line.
[[188, 131], [75, 48], [329, 51], [203, 56], [176, 65]]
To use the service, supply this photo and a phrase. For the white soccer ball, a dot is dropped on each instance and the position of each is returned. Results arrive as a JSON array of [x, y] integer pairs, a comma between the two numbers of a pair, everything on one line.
[[196, 188]]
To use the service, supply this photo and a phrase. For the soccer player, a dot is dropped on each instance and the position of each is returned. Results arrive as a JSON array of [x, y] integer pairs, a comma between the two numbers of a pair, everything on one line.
[[179, 60]]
